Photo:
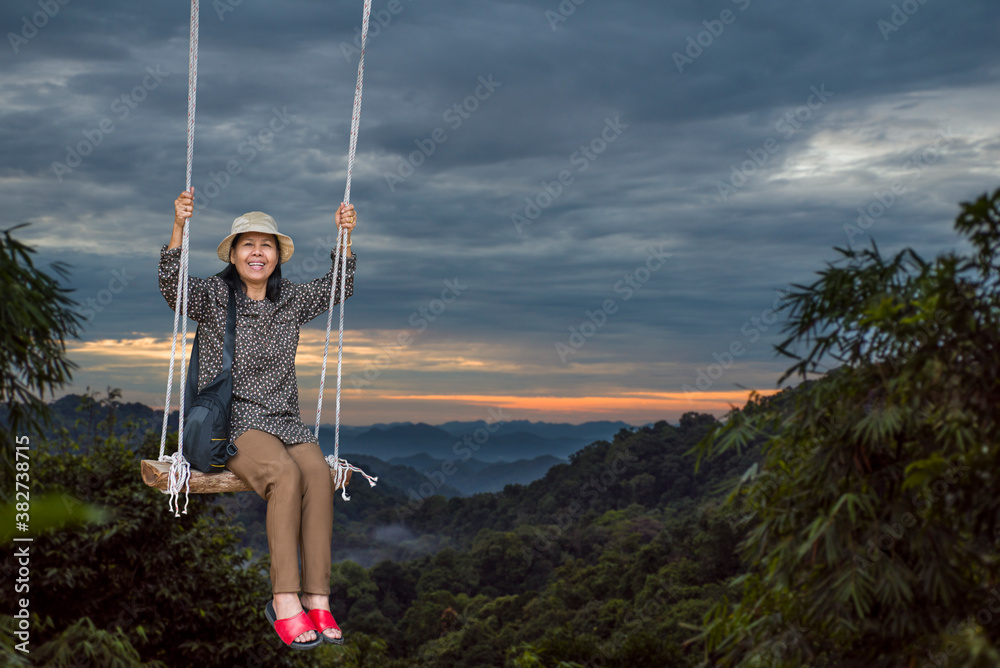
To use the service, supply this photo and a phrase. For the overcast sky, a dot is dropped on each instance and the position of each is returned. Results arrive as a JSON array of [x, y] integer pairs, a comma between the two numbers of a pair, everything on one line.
[[569, 211]]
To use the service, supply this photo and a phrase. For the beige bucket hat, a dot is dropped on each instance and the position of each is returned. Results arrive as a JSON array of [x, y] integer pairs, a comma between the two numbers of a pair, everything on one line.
[[256, 221]]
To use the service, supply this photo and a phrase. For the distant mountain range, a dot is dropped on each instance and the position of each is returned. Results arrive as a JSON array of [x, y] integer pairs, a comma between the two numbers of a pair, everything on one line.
[[457, 458], [451, 477], [466, 456], [461, 441]]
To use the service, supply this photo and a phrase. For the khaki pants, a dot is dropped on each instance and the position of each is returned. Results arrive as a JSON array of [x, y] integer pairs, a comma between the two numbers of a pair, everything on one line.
[[295, 482]]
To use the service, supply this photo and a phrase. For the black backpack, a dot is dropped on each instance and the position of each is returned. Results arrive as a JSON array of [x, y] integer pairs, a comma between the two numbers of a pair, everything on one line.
[[206, 419]]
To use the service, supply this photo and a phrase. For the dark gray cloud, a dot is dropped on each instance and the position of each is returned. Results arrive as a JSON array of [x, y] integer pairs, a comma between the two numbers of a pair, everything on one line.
[[476, 114]]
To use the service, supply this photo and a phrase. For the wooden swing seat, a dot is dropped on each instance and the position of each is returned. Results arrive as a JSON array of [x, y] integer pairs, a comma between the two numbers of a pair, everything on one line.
[[154, 474]]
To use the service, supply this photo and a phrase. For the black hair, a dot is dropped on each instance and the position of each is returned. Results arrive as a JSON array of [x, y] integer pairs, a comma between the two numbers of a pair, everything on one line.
[[232, 277]]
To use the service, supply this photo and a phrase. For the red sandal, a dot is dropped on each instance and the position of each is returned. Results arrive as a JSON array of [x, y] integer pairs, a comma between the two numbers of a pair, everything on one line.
[[292, 627], [323, 620]]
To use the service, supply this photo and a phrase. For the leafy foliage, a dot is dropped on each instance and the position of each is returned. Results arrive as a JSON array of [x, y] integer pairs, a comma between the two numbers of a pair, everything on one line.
[[50, 512], [873, 535], [83, 643], [609, 578], [38, 317], [612, 578], [146, 584]]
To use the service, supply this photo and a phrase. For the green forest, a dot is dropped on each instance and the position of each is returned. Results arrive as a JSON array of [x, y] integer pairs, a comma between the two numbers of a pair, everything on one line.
[[851, 520]]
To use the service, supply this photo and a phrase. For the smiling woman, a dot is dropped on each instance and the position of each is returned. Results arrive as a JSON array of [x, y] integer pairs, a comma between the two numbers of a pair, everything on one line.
[[270, 450]]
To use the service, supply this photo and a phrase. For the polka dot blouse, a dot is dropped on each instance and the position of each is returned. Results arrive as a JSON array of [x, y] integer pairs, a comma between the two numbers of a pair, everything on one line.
[[265, 392]]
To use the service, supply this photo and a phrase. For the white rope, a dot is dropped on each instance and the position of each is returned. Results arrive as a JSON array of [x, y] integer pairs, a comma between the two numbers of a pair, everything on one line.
[[339, 465], [179, 476], [340, 474]]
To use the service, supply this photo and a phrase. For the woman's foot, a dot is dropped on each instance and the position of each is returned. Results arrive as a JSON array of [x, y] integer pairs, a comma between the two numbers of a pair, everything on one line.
[[320, 602], [288, 605]]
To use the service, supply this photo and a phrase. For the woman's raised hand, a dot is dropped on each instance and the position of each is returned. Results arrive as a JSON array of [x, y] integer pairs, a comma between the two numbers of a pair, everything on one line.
[[346, 220], [346, 217], [183, 208]]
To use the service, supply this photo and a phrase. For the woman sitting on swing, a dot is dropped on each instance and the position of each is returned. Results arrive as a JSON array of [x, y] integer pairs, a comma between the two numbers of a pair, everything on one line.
[[277, 455]]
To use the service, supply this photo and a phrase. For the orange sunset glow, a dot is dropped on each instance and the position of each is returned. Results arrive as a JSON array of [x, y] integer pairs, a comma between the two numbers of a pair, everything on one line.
[[377, 387]]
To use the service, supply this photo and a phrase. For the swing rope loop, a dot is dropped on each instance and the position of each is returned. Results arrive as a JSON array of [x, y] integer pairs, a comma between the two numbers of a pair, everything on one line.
[[339, 465], [179, 476], [180, 469]]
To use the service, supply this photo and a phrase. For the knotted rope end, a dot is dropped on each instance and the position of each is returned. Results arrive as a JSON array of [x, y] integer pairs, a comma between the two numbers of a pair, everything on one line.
[[341, 467], [178, 479]]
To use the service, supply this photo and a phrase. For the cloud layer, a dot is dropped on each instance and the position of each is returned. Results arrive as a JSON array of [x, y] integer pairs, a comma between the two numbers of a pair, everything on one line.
[[623, 189]]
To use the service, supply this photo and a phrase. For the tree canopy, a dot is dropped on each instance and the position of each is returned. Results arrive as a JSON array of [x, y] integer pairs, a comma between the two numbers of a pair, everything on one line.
[[38, 317], [873, 516]]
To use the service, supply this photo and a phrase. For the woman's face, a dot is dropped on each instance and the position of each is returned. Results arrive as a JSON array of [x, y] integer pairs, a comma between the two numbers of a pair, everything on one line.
[[255, 256]]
